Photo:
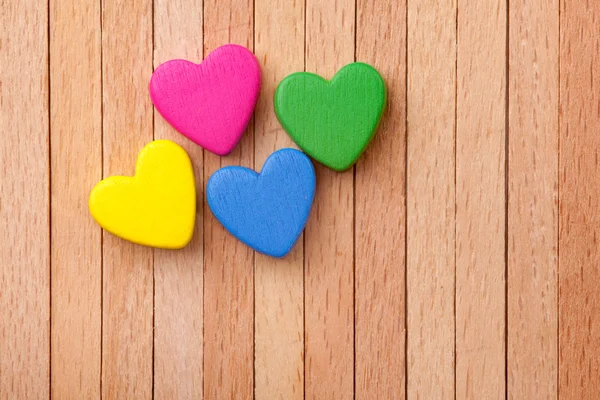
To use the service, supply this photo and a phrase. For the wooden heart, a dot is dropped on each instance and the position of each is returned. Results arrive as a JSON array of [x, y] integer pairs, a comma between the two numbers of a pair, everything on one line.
[[210, 103], [266, 211], [156, 207], [332, 121]]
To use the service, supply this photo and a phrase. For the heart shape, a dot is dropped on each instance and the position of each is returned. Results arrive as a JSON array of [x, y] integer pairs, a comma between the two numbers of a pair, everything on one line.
[[332, 121], [156, 207], [266, 211], [210, 103]]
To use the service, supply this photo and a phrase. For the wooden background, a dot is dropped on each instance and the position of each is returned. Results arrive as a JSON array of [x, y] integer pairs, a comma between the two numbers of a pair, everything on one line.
[[458, 259]]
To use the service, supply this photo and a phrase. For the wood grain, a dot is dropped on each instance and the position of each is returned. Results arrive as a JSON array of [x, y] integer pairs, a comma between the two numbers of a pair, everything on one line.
[[480, 199], [76, 166], [178, 275], [579, 277], [279, 284], [533, 200], [431, 198], [228, 264], [127, 300], [380, 199], [24, 201], [519, 317], [329, 242]]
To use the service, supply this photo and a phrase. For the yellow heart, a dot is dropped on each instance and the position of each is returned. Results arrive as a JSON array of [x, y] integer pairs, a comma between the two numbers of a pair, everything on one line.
[[156, 207]]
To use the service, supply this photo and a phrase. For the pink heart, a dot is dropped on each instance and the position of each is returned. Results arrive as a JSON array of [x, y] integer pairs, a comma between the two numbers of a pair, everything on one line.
[[210, 103]]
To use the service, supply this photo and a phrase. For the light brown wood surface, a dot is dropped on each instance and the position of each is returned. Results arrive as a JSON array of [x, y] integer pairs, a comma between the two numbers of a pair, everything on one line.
[[532, 324], [431, 117], [279, 284], [329, 235], [178, 275], [76, 166], [228, 264], [481, 199], [380, 325], [458, 259], [128, 281], [579, 201], [24, 201]]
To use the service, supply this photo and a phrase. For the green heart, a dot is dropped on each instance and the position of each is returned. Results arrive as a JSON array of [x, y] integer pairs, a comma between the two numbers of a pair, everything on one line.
[[332, 121]]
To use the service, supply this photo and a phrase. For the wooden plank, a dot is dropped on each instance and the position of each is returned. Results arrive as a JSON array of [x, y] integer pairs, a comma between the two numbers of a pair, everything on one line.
[[380, 333], [228, 264], [178, 275], [279, 284], [24, 201], [329, 241], [431, 267], [481, 199], [532, 354], [579, 276], [76, 128], [127, 268]]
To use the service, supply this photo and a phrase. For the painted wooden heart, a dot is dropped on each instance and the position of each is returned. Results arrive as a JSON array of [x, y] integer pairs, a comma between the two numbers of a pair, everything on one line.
[[266, 211], [157, 206], [210, 103], [332, 121]]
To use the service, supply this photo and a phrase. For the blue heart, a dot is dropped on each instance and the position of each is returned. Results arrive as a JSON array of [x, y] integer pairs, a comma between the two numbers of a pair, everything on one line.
[[266, 211]]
